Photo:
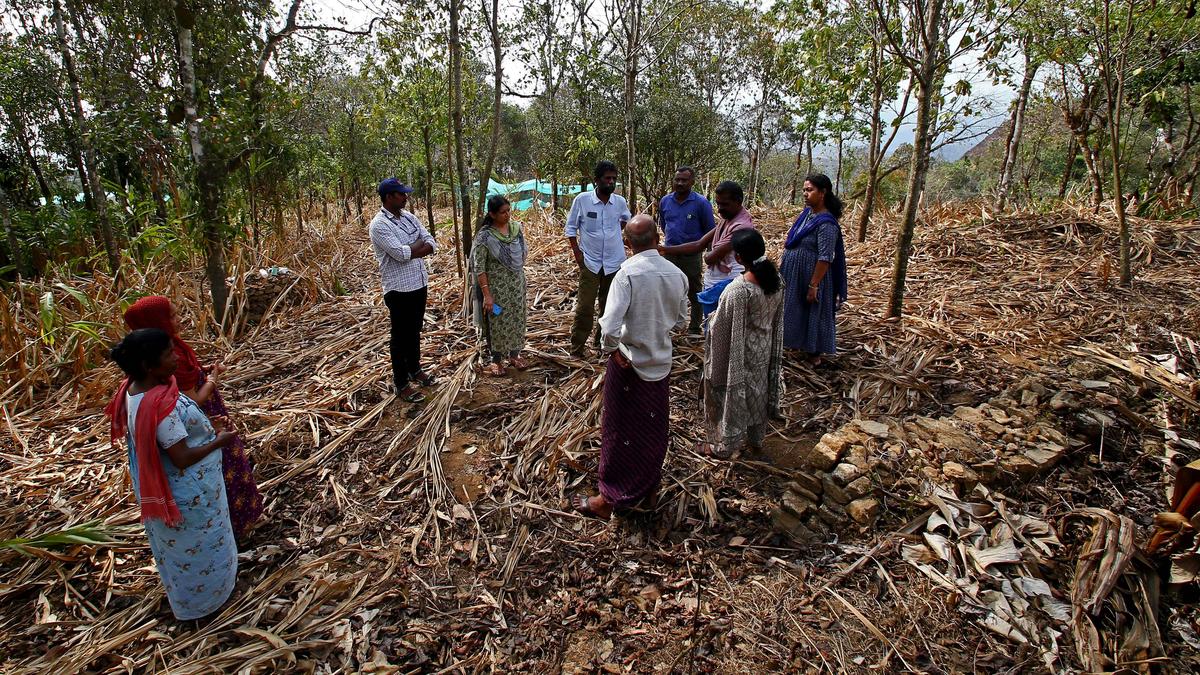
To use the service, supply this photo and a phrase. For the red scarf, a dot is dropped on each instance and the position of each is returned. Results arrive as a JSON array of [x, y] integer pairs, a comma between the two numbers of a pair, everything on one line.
[[155, 492], [154, 311]]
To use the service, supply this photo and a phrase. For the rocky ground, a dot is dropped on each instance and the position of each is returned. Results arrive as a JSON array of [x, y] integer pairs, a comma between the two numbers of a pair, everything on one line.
[[964, 489]]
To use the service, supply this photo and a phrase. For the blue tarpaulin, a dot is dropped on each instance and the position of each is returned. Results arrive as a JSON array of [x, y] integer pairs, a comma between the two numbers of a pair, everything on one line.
[[523, 194]]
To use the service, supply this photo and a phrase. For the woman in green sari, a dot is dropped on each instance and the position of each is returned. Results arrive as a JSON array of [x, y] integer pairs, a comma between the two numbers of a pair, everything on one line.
[[498, 292]]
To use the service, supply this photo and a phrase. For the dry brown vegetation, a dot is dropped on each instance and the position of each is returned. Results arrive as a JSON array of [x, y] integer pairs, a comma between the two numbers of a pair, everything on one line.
[[435, 537]]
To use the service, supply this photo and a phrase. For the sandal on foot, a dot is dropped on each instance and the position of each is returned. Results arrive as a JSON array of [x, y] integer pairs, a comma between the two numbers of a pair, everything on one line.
[[424, 379], [581, 503], [410, 395], [710, 450], [494, 370], [518, 363]]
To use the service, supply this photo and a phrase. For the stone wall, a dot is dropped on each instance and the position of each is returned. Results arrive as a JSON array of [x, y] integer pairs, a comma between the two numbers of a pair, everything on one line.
[[853, 471]]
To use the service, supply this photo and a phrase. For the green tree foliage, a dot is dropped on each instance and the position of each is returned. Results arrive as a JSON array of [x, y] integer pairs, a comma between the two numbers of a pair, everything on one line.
[[197, 130]]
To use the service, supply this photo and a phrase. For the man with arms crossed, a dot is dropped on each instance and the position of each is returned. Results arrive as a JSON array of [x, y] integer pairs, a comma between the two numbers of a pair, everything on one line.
[[401, 243]]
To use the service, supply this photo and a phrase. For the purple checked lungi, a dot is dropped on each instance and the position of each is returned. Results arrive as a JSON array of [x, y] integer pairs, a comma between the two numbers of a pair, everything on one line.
[[634, 435]]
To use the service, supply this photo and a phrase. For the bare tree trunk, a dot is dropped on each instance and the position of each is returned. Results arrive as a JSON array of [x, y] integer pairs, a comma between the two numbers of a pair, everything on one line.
[[837, 176], [450, 180], [630, 130], [919, 166], [456, 96], [756, 152], [1091, 160], [209, 171], [1069, 168], [87, 140], [874, 151], [27, 152], [808, 156], [493, 22], [76, 154], [450, 175], [160, 203], [868, 208], [428, 179], [10, 235], [1115, 88], [253, 204], [344, 196], [355, 179], [1016, 124], [796, 177], [631, 26]]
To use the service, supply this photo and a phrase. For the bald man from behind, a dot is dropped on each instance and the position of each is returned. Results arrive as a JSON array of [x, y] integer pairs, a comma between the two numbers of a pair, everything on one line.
[[647, 300]]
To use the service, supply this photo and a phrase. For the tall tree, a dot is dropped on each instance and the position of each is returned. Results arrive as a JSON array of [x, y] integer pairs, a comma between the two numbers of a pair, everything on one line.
[[639, 25], [215, 160], [547, 59], [210, 172], [918, 34], [884, 75], [456, 117], [25, 93], [1113, 44], [1016, 121], [492, 20], [87, 141]]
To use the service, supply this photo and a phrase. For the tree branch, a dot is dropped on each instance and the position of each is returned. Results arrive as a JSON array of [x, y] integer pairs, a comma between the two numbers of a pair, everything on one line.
[[341, 29]]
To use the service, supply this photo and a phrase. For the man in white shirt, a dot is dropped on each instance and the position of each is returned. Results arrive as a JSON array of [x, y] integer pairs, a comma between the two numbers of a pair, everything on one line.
[[647, 300], [401, 243], [593, 228]]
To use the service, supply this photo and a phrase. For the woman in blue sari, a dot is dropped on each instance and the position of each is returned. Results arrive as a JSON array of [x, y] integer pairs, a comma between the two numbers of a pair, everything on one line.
[[814, 272], [175, 462]]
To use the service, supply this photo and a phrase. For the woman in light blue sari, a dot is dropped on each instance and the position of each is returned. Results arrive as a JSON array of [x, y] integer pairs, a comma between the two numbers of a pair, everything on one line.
[[175, 461]]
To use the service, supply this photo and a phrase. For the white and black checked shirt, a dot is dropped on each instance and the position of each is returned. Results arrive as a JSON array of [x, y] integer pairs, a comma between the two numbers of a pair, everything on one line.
[[392, 237]]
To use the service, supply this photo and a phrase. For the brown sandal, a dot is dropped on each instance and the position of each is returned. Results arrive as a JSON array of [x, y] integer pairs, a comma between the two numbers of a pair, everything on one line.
[[518, 363], [706, 449], [494, 370]]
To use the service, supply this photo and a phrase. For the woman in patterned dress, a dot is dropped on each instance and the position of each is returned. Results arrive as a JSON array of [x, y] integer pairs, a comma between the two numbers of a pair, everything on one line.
[[175, 462], [498, 271], [200, 385], [814, 272], [743, 353]]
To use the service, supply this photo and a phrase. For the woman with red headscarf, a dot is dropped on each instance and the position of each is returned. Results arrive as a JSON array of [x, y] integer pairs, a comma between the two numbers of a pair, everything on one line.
[[175, 463], [200, 384]]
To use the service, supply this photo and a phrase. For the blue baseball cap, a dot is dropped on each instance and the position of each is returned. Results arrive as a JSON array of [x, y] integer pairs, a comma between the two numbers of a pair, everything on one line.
[[390, 185]]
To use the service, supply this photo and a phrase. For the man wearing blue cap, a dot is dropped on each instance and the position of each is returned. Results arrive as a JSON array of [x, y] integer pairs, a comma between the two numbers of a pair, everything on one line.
[[400, 243]]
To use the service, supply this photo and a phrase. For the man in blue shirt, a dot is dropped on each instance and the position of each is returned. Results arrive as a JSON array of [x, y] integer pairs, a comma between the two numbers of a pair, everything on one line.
[[685, 217], [594, 228]]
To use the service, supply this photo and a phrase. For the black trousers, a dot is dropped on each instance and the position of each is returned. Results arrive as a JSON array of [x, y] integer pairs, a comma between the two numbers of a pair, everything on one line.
[[407, 310]]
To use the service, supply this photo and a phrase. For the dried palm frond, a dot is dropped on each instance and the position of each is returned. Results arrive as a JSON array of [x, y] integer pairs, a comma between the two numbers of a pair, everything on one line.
[[436, 537]]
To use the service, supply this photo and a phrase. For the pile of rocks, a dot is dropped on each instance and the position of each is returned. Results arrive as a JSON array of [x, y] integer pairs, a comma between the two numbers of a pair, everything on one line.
[[1018, 435], [845, 473], [263, 286]]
